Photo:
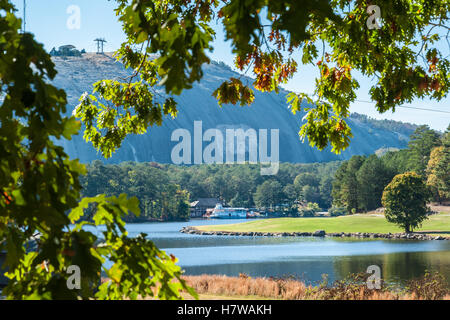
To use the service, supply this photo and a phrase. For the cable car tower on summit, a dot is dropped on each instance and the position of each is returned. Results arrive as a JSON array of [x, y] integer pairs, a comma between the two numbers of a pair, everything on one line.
[[100, 43]]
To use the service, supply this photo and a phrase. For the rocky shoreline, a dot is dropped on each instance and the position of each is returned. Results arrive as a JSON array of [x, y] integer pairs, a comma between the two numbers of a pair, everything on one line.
[[318, 233]]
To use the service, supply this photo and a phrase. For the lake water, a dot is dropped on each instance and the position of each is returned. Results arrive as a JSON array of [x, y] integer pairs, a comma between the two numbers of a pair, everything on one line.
[[306, 258]]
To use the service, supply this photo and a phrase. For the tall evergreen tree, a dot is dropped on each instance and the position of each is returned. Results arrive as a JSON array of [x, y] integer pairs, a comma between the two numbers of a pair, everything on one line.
[[325, 189], [373, 176], [337, 185], [423, 140], [351, 183], [345, 185]]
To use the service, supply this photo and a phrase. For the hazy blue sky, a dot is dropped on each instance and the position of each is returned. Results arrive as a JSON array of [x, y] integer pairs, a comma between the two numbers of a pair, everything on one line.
[[47, 19]]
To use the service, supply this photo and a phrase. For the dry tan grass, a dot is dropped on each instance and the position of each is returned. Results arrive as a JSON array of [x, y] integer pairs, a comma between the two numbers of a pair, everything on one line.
[[440, 208], [288, 289]]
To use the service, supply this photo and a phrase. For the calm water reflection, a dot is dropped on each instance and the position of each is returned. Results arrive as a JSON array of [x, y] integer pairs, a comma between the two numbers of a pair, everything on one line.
[[306, 258]]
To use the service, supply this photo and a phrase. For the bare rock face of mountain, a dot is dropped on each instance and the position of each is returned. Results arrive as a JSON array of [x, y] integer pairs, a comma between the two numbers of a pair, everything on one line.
[[269, 111]]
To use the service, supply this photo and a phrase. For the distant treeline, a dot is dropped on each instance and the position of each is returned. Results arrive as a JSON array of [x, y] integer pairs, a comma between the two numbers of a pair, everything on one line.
[[390, 125], [160, 199], [164, 190], [356, 185]]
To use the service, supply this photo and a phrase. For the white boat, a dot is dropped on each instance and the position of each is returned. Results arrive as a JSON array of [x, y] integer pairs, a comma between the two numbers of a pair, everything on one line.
[[220, 212]]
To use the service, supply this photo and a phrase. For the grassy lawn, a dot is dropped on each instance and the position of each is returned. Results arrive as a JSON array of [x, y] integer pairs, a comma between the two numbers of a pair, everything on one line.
[[436, 224]]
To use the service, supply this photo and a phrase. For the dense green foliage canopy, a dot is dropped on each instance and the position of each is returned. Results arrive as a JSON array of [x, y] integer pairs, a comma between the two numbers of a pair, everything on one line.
[[40, 194]]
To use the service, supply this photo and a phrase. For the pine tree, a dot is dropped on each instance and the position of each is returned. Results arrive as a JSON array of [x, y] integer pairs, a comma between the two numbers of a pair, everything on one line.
[[423, 140], [373, 176]]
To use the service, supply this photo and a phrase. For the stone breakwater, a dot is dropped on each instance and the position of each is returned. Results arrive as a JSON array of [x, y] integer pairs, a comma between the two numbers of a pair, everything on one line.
[[318, 233]]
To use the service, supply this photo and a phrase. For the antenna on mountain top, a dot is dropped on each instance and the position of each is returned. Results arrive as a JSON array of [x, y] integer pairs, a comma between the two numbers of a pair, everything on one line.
[[100, 42]]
